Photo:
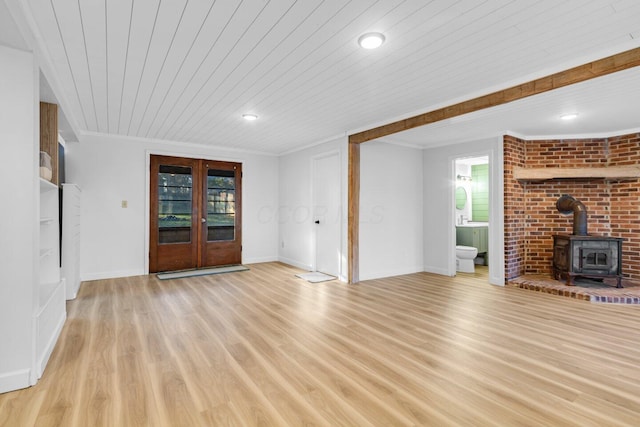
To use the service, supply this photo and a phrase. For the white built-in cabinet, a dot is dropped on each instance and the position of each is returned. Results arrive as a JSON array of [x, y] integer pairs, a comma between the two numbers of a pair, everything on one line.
[[32, 293], [71, 238], [50, 312]]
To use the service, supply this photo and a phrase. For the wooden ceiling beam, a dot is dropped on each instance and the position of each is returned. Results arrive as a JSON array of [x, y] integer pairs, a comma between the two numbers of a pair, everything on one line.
[[591, 70]]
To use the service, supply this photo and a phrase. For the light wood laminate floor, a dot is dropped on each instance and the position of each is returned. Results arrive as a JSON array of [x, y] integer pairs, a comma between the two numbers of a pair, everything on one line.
[[266, 348]]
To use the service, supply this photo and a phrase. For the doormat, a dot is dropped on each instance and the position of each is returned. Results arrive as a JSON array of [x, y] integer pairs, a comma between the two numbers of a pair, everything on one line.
[[316, 277], [201, 272]]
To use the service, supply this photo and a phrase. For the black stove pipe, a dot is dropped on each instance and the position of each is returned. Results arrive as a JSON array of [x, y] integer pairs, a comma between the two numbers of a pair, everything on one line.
[[567, 204]]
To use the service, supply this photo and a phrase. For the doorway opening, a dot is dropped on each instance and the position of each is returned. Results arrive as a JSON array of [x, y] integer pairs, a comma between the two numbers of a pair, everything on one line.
[[471, 214], [195, 216]]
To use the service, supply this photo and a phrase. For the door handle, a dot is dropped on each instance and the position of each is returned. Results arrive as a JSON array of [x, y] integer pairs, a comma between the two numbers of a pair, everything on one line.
[[317, 221], [203, 220]]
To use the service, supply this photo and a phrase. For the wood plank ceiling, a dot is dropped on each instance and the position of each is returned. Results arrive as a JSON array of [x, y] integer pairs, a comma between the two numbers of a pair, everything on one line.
[[186, 70]]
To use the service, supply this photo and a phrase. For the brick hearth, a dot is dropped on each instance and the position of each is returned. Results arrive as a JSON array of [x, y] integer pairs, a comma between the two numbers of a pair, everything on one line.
[[585, 289]]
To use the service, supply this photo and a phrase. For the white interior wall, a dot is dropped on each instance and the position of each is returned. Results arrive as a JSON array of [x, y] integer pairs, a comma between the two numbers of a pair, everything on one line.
[[391, 209], [439, 222], [112, 169], [19, 115], [296, 228]]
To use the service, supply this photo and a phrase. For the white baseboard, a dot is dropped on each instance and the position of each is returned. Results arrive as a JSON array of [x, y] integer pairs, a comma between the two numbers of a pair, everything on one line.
[[71, 290], [42, 363], [497, 281], [391, 272], [111, 275], [295, 263], [14, 380], [73, 295], [436, 270], [128, 273], [259, 260]]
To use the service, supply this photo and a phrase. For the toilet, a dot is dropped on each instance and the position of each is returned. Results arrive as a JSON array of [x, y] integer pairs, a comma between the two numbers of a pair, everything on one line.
[[464, 259]]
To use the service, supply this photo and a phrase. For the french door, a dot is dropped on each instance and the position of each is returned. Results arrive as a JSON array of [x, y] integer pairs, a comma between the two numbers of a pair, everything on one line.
[[195, 213]]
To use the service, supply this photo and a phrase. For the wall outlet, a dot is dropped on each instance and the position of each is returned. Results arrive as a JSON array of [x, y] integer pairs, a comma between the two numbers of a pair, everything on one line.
[[125, 204]]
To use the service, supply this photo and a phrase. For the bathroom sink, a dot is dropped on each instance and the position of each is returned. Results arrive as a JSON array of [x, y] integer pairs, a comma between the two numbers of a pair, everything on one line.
[[473, 224]]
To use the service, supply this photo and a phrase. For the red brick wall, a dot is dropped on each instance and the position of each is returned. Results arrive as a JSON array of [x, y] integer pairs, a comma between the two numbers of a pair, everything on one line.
[[613, 206], [514, 209], [566, 153], [625, 203]]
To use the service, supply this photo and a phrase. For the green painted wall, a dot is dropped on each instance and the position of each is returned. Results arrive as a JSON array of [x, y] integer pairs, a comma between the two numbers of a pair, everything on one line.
[[480, 193]]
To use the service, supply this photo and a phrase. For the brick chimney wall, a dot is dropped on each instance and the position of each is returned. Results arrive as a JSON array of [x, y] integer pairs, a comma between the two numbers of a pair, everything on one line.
[[531, 217], [625, 202], [514, 208]]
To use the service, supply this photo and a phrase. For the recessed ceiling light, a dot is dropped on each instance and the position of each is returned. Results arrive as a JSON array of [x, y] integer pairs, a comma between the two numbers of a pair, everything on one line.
[[250, 117], [569, 116], [371, 40]]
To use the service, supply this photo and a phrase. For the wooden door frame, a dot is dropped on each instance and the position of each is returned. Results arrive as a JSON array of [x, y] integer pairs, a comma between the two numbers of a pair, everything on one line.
[[591, 70]]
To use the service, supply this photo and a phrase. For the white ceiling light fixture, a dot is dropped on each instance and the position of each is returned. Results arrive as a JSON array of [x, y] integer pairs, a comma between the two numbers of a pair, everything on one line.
[[371, 40], [250, 117], [569, 116]]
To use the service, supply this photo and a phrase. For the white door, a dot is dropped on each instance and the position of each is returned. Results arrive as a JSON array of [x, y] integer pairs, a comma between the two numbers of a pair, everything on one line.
[[326, 212]]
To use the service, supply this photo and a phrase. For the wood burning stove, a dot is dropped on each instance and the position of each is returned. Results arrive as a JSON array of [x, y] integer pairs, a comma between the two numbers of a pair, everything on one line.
[[579, 254], [587, 256]]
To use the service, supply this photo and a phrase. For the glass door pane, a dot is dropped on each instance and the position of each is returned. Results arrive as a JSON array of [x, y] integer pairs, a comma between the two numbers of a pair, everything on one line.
[[175, 200], [221, 205]]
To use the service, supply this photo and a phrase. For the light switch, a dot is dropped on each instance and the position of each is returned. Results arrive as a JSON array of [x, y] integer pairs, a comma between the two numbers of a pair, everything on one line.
[[125, 204]]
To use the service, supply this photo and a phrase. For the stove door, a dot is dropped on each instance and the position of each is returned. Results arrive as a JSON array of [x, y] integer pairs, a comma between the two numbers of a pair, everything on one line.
[[596, 261]]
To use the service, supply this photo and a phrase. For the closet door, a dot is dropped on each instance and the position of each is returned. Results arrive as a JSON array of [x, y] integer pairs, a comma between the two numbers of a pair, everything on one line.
[[174, 216]]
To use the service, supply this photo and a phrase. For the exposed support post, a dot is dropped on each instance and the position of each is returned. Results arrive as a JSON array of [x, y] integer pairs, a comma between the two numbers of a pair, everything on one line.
[[353, 215]]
